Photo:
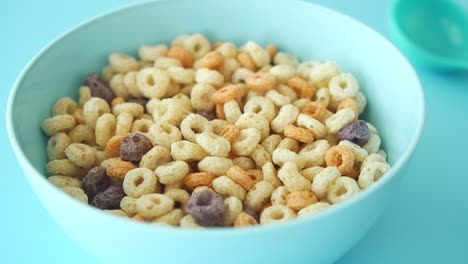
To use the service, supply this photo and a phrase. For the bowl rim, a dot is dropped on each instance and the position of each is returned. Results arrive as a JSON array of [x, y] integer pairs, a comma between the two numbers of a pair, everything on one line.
[[31, 171]]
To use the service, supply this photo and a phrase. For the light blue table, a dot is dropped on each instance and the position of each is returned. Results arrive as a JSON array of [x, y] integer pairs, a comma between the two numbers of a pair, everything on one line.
[[427, 221]]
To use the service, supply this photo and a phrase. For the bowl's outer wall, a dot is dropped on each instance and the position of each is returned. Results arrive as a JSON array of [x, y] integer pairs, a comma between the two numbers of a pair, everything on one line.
[[313, 33]]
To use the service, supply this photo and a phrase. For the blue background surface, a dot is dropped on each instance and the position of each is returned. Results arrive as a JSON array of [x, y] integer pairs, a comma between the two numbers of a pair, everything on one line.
[[426, 222]]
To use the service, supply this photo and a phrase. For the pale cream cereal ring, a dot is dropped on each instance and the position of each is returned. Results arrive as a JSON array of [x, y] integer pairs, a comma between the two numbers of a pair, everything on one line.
[[339, 120], [226, 186], [228, 68], [343, 86], [276, 213], [315, 110], [63, 167], [179, 196], [301, 102], [175, 185], [80, 154], [183, 55], [228, 93], [372, 172], [164, 134], [128, 205], [382, 153], [292, 179], [232, 111], [136, 110], [258, 196], [198, 45], [172, 172], [117, 85], [361, 102], [286, 115], [245, 163], [208, 76], [189, 222], [270, 175], [198, 179], [323, 96], [359, 153], [171, 111], [323, 179], [271, 143], [93, 109], [84, 95], [312, 124], [321, 74], [142, 126], [116, 101], [289, 143], [279, 195], [152, 52], [194, 124], [154, 205], [172, 218], [313, 209], [310, 172], [64, 181], [241, 75], [64, 105], [82, 134], [140, 181], [186, 150], [260, 156], [233, 208], [257, 121], [164, 63], [304, 68], [153, 83], [180, 40], [58, 123], [117, 212], [286, 58], [227, 49], [260, 56], [314, 154], [341, 189], [373, 144], [283, 72], [262, 106], [277, 98], [246, 61], [181, 75], [372, 158], [105, 128], [230, 132], [281, 155], [216, 165], [56, 146], [246, 142], [121, 63], [265, 69], [184, 100], [213, 144], [301, 134], [349, 103], [298, 200], [76, 192], [261, 82], [124, 123]]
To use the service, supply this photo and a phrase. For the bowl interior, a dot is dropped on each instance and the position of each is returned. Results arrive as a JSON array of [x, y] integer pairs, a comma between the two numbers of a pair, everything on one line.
[[395, 101]]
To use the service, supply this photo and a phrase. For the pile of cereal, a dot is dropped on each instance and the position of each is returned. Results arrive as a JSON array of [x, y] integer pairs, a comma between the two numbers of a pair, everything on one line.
[[197, 135]]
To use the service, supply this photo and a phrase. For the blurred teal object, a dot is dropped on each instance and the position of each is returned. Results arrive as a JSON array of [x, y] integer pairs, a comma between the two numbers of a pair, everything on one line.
[[434, 32], [59, 69]]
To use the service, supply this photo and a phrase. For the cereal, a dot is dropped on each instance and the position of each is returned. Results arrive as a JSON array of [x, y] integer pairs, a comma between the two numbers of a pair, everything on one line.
[[247, 136]]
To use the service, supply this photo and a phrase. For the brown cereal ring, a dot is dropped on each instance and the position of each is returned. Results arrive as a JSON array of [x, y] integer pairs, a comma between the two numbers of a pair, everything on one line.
[[228, 93], [244, 219], [340, 157], [220, 111], [181, 54], [272, 50], [246, 61], [194, 180], [301, 134], [79, 117], [300, 199], [243, 178], [212, 60], [355, 171], [113, 145], [119, 168], [261, 82], [301, 87], [116, 101], [230, 132], [315, 110], [349, 103]]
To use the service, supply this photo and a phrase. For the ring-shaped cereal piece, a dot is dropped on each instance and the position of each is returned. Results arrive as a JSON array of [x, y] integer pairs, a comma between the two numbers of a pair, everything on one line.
[[246, 61], [181, 54], [212, 60], [242, 177], [300, 199], [230, 132], [302, 88], [349, 103], [314, 109], [301, 134], [261, 82], [194, 180], [228, 93], [341, 189], [340, 157], [140, 181]]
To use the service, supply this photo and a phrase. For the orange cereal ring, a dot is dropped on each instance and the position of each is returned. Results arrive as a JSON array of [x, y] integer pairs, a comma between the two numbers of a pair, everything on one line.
[[354, 173], [116, 101], [340, 157], [212, 60], [228, 93], [230, 132], [242, 177], [244, 219], [119, 168], [220, 111], [113, 145], [194, 180], [272, 50], [300, 134], [246, 61], [185, 57], [301, 87], [315, 110], [216, 45], [139, 218], [79, 117], [261, 82], [300, 199], [256, 175], [349, 103]]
